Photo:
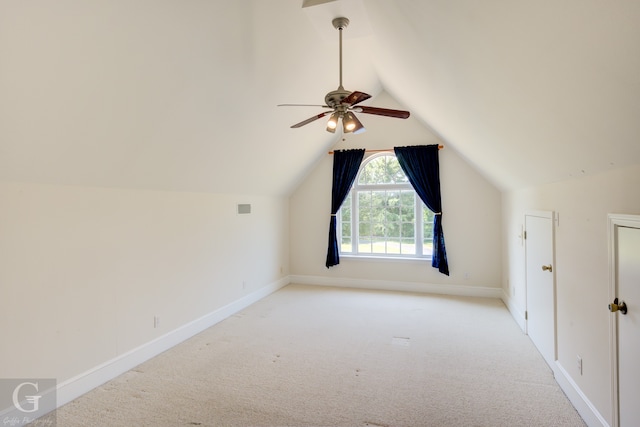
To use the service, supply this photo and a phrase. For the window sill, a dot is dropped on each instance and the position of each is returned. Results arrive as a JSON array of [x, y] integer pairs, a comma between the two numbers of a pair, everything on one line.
[[382, 258]]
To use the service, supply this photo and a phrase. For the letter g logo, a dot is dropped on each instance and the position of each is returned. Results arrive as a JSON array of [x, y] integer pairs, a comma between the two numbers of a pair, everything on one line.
[[33, 400]]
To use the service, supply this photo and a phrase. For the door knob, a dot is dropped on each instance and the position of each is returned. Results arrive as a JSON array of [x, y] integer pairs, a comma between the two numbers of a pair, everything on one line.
[[615, 306], [547, 268]]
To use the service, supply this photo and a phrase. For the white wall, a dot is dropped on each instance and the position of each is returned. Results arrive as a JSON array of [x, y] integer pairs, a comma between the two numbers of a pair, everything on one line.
[[582, 271], [471, 220], [83, 271]]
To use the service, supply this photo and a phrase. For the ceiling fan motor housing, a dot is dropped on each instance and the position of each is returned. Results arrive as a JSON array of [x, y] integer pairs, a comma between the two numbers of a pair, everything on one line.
[[334, 98]]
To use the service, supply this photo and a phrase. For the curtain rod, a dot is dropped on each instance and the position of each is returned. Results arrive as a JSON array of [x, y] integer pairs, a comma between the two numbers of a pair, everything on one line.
[[440, 147]]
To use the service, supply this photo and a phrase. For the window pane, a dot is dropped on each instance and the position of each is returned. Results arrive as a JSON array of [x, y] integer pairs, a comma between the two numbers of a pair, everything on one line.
[[364, 229], [378, 200], [393, 230], [407, 213], [388, 173], [382, 170], [427, 216], [345, 244], [346, 230], [408, 247], [378, 247], [364, 198], [393, 246], [368, 175], [379, 231], [345, 209], [408, 230], [408, 198], [394, 171], [344, 217], [365, 176], [364, 245], [393, 206]]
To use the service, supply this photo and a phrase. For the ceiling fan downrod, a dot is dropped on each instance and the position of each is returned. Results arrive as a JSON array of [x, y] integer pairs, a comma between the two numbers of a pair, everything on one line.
[[340, 24]]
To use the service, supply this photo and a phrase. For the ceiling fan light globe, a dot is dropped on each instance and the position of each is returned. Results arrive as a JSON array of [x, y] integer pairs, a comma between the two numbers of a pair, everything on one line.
[[349, 123], [332, 124]]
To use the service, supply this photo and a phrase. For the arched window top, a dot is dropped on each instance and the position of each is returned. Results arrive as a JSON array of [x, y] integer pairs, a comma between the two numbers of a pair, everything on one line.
[[380, 169]]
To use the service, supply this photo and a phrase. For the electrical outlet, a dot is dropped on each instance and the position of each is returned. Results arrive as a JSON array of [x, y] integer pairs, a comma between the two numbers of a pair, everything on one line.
[[156, 321], [579, 361]]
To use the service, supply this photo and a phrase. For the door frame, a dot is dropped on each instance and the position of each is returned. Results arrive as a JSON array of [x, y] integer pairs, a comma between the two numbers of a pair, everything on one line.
[[613, 222], [554, 219]]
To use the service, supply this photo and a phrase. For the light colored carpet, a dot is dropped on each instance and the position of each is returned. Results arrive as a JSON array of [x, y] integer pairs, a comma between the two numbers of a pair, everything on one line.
[[316, 356]]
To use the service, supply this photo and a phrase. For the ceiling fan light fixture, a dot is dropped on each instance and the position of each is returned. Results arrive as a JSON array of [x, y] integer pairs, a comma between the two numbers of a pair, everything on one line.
[[348, 123], [351, 123], [332, 124]]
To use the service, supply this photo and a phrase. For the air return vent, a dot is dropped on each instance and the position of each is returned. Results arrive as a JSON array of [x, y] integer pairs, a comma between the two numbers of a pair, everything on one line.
[[244, 208]]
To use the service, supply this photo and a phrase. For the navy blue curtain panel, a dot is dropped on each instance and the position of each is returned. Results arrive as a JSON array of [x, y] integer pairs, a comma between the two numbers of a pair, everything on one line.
[[420, 164], [345, 169]]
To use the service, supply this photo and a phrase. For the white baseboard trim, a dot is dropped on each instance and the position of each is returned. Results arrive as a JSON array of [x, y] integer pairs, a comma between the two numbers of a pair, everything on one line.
[[517, 315], [583, 405], [387, 285], [578, 399], [80, 384]]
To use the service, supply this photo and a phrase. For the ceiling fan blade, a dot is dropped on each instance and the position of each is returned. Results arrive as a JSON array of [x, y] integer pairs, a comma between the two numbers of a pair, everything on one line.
[[302, 105], [311, 119], [399, 114], [356, 98]]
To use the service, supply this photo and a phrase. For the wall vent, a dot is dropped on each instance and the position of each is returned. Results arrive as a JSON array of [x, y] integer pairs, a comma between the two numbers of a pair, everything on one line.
[[244, 208]]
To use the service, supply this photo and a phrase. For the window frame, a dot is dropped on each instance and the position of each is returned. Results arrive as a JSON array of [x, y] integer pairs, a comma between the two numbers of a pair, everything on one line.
[[356, 188]]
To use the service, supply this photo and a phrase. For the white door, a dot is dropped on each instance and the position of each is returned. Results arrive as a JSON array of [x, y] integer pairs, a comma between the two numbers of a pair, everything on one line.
[[540, 286], [628, 325]]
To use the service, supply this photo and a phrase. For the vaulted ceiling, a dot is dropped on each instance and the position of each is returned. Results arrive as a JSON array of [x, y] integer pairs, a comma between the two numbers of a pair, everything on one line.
[[181, 95]]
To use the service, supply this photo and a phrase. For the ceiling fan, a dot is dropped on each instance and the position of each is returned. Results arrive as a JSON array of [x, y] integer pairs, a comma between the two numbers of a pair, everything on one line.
[[342, 104]]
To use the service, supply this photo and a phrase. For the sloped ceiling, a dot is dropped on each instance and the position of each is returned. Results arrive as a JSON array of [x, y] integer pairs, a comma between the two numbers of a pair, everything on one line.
[[181, 95]]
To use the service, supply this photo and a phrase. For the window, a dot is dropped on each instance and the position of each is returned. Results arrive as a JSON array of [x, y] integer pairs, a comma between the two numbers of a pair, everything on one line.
[[383, 215]]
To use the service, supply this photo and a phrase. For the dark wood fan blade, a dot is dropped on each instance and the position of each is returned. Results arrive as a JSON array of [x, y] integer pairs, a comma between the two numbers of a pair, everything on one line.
[[302, 105], [355, 98], [399, 114], [311, 119]]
